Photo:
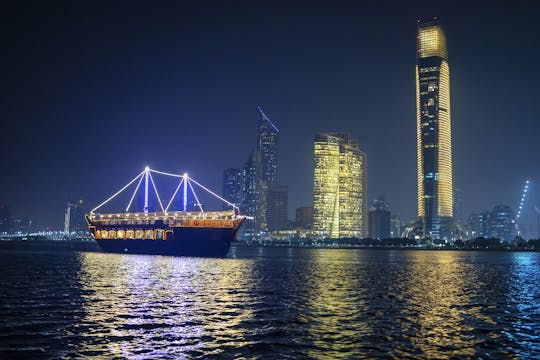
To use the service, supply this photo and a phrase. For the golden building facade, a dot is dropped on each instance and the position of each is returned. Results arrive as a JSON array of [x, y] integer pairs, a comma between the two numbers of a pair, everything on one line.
[[434, 136], [340, 187]]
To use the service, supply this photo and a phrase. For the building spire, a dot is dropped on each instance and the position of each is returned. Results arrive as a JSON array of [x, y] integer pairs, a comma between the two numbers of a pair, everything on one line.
[[264, 117]]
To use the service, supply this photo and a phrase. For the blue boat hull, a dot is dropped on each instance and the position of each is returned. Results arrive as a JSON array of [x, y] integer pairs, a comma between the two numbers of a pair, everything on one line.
[[200, 242]]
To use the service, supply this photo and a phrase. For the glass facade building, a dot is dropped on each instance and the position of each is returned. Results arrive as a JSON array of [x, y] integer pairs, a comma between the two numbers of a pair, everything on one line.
[[267, 139], [254, 198], [434, 138], [232, 187], [340, 187]]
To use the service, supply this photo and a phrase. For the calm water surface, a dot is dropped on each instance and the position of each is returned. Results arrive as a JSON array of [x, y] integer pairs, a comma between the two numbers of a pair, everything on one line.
[[271, 303]]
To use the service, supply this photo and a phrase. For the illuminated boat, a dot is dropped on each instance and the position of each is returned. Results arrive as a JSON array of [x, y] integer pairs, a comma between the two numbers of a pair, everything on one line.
[[179, 233]]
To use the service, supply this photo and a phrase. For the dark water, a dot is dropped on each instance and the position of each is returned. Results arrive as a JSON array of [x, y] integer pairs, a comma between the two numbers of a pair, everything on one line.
[[271, 303]]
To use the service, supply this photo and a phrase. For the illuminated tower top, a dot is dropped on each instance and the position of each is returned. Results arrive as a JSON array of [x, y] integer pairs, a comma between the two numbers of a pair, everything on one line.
[[431, 41], [267, 138]]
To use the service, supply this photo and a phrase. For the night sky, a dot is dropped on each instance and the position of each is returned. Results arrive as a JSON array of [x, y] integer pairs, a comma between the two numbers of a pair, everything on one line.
[[95, 91]]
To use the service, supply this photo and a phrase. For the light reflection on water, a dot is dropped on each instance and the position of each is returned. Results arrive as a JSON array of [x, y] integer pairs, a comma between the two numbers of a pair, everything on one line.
[[268, 303]]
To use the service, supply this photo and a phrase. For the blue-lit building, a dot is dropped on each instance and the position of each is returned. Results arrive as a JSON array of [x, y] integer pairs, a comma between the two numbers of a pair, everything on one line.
[[233, 180], [254, 197], [502, 223], [379, 220], [498, 223]]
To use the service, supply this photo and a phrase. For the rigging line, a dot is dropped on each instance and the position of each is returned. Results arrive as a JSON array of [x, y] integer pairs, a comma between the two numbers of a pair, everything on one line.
[[216, 195], [174, 194], [194, 194], [134, 193], [157, 194], [118, 192], [165, 173]]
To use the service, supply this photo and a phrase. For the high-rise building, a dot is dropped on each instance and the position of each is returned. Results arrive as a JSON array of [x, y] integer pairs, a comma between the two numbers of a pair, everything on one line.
[[434, 139], [477, 225], [304, 217], [379, 220], [340, 182], [254, 197], [267, 143], [5, 218], [277, 207], [232, 187], [395, 227], [74, 218], [502, 223]]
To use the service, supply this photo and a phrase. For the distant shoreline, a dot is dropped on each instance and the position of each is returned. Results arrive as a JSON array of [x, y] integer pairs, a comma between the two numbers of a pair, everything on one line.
[[87, 244]]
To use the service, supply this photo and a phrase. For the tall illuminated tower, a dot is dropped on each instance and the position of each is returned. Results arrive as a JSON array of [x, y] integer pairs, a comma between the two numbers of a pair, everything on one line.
[[434, 138], [267, 143], [340, 182]]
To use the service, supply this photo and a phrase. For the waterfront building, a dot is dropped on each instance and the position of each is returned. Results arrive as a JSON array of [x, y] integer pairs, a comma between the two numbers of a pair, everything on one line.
[[277, 207], [74, 220], [340, 187], [232, 187], [304, 217], [434, 139], [254, 197], [477, 225], [502, 223], [379, 220], [396, 230]]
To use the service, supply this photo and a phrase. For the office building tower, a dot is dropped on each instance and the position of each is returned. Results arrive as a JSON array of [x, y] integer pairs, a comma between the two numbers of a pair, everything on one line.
[[434, 139], [267, 143], [395, 227], [232, 187], [254, 197], [277, 207], [379, 220], [477, 225], [304, 217], [340, 182], [502, 223]]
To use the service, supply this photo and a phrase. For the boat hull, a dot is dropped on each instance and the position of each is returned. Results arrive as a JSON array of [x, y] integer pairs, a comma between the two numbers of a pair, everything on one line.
[[200, 242]]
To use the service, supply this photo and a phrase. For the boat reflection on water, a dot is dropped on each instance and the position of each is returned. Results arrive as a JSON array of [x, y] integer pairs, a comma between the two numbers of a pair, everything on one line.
[[156, 306]]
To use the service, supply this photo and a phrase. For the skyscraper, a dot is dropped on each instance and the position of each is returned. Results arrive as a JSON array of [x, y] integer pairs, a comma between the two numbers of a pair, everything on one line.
[[379, 220], [340, 179], [267, 142], [277, 207], [254, 197], [232, 187], [434, 139]]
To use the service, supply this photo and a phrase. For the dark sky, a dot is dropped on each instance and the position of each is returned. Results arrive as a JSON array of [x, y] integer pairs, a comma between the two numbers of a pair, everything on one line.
[[94, 91]]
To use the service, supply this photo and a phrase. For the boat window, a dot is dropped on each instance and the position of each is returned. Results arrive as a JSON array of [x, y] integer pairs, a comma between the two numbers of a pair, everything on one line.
[[149, 234], [130, 234], [139, 234], [120, 234], [112, 234]]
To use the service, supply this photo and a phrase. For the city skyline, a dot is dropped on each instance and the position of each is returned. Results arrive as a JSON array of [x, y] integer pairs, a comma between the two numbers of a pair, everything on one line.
[[60, 104]]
